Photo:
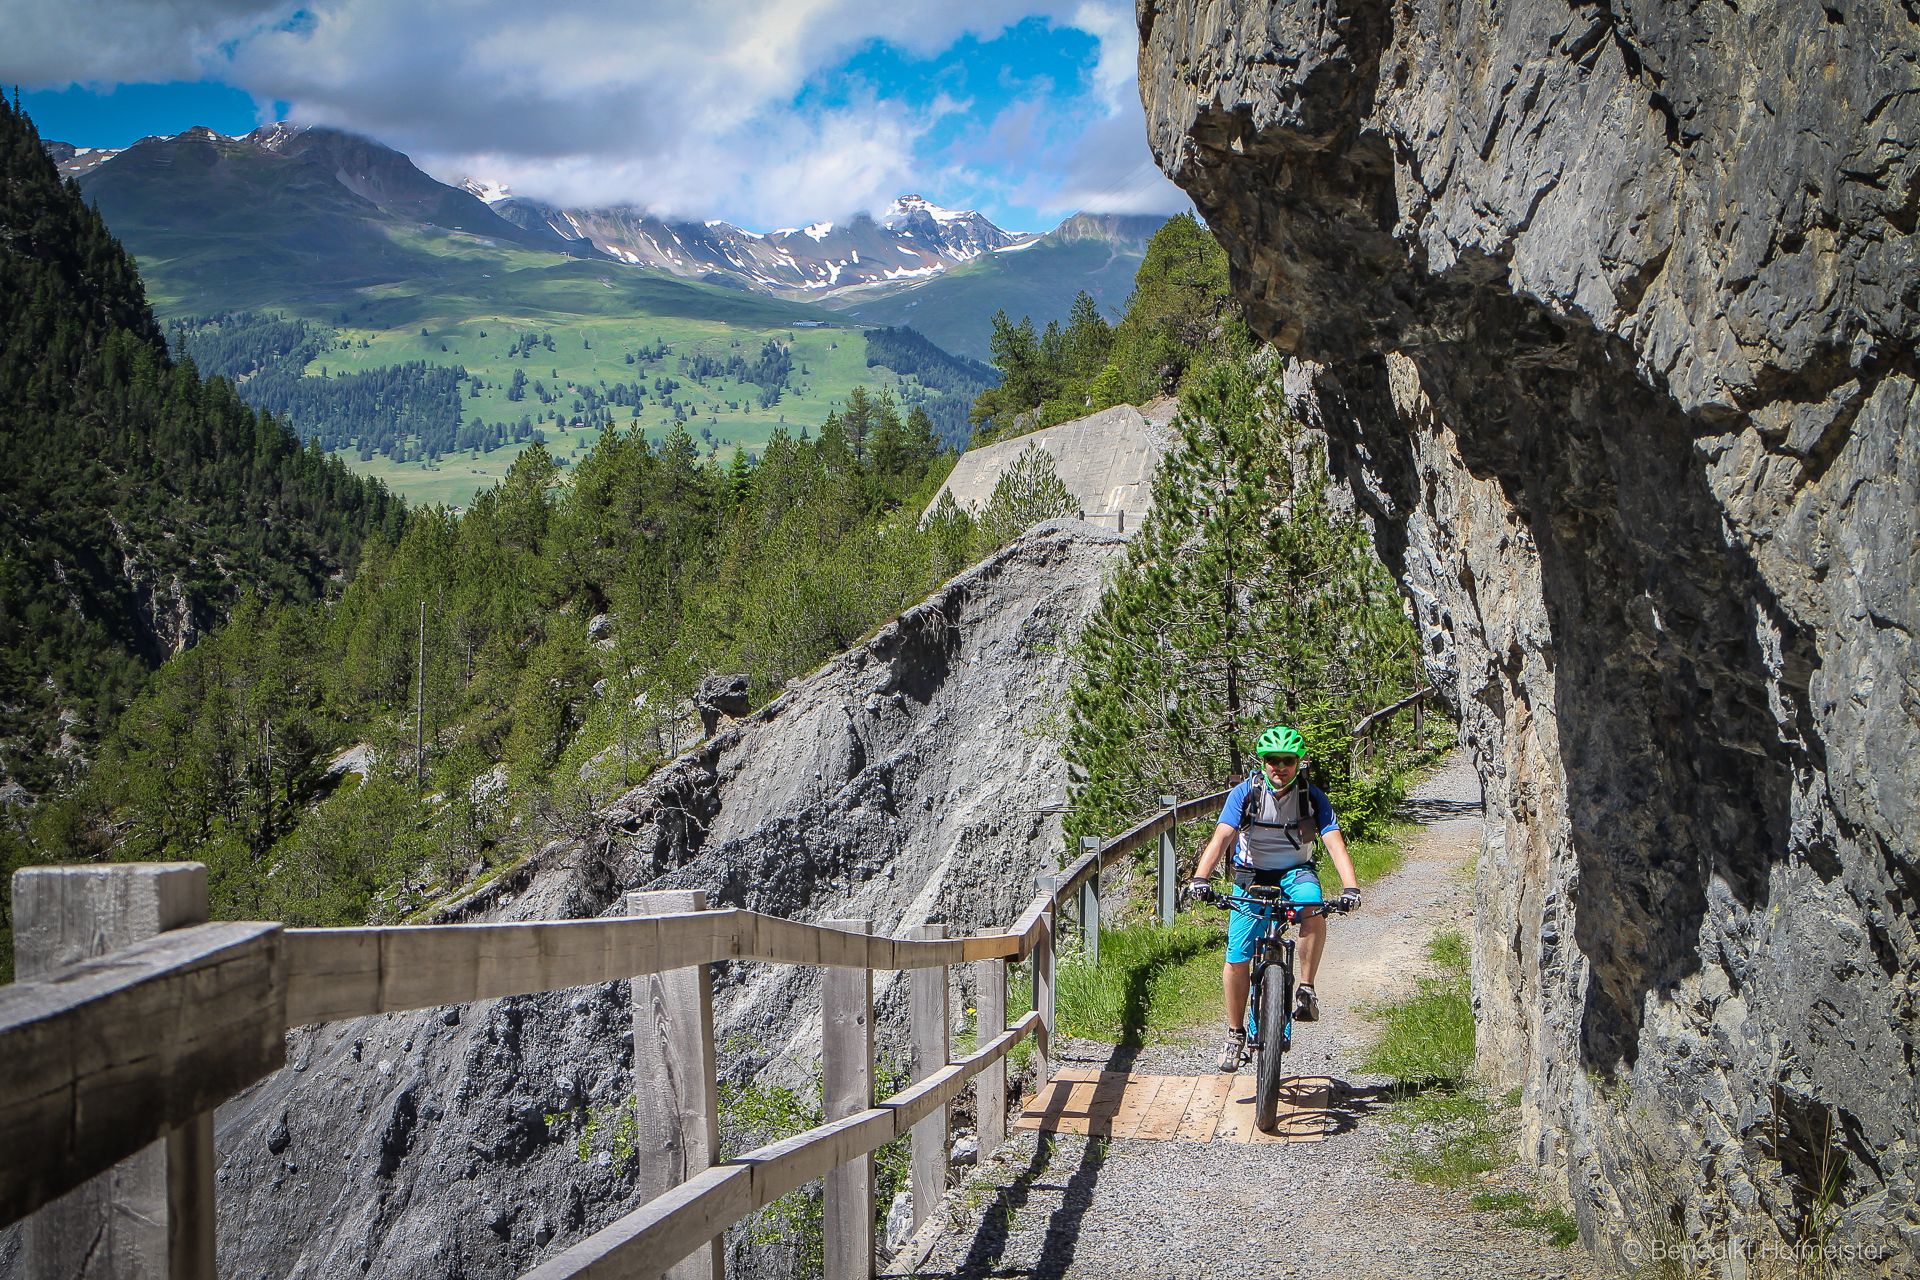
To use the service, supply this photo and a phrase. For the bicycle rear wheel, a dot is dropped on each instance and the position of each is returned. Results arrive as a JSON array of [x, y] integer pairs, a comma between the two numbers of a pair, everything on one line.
[[1266, 1068]]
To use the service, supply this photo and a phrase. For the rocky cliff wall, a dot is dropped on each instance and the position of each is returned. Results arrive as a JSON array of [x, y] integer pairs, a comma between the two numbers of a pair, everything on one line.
[[1610, 309], [905, 781]]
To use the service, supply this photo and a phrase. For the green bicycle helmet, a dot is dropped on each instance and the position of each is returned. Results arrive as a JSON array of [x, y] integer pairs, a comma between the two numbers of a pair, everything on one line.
[[1280, 741]]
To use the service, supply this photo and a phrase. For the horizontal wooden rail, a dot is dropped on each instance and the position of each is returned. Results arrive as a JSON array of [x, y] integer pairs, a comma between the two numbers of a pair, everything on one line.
[[1135, 837], [1374, 717], [353, 973], [106, 1056], [653, 1237]]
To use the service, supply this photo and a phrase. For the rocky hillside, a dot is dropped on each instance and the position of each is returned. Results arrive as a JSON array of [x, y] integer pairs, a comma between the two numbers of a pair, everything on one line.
[[1610, 311], [905, 780]]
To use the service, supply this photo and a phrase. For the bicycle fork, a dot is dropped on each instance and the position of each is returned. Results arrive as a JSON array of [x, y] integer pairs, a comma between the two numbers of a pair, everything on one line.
[[1263, 972]]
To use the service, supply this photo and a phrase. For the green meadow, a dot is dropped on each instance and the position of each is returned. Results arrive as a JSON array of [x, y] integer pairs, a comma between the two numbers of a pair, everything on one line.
[[473, 302]]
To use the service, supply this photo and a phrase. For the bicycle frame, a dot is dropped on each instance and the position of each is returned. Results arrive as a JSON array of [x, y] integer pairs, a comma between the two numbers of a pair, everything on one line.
[[1273, 948]]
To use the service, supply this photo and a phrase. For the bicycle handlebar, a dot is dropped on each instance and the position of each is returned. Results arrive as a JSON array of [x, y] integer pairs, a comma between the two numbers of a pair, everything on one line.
[[1294, 910]]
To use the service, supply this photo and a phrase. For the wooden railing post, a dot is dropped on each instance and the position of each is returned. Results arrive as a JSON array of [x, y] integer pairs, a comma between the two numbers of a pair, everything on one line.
[[990, 1019], [1043, 987], [846, 1069], [1090, 904], [932, 1050], [676, 1101], [1165, 882], [152, 1214]]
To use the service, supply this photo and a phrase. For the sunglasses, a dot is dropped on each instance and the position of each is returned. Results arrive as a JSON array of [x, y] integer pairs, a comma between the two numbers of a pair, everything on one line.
[[1282, 761]]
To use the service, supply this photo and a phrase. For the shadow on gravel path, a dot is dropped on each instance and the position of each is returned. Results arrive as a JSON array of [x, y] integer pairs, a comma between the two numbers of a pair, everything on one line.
[[1425, 810], [1056, 1253]]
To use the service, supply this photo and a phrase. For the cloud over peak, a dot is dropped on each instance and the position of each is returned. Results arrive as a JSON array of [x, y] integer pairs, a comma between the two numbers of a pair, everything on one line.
[[760, 111]]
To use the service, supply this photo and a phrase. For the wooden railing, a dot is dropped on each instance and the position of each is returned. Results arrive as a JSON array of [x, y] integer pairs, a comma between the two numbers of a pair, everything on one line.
[[133, 1018], [1364, 742]]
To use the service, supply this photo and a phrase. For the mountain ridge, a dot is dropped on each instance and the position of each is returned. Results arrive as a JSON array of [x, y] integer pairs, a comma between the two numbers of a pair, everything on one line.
[[913, 241]]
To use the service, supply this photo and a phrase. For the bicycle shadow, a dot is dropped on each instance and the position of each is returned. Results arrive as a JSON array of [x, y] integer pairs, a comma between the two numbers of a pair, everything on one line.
[[1347, 1106]]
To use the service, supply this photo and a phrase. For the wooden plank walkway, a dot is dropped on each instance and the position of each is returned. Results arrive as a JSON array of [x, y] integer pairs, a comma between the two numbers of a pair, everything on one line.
[[1212, 1108]]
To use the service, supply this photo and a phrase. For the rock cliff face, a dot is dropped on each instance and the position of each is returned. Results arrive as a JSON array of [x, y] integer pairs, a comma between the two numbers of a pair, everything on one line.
[[1610, 310], [905, 781]]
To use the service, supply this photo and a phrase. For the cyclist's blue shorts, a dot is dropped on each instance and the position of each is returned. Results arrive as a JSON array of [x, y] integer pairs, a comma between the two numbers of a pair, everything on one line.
[[1245, 927]]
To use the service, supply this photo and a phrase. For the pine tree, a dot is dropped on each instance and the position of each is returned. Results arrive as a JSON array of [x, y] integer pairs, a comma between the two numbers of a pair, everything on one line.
[[1244, 601], [857, 421], [1027, 492]]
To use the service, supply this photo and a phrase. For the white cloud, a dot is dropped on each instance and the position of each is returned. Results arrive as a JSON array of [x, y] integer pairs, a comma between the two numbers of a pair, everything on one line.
[[105, 42], [682, 108]]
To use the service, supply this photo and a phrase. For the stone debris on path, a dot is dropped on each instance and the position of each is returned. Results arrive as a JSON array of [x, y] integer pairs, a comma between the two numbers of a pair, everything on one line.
[[1063, 1204]]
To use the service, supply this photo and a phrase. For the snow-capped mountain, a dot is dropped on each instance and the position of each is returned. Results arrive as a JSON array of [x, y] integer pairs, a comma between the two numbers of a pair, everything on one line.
[[960, 233], [286, 171], [912, 240], [292, 184]]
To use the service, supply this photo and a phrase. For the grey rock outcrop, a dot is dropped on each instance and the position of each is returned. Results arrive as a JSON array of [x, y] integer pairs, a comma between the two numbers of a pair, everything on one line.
[[1610, 312], [904, 781], [721, 696], [1107, 461]]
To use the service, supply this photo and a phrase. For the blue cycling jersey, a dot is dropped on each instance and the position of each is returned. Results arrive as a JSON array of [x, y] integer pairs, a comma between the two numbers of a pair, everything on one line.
[[1272, 833]]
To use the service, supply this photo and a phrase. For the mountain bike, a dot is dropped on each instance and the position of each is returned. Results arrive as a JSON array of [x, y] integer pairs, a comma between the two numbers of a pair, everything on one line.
[[1270, 988]]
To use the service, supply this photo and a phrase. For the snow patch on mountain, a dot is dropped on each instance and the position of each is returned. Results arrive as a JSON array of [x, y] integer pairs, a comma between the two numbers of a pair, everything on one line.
[[486, 190]]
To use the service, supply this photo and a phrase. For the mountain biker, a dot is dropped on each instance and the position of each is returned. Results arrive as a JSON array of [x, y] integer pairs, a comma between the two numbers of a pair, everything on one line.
[[1266, 820]]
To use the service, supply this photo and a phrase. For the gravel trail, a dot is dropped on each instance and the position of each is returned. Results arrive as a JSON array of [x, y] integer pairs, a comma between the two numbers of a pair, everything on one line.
[[1095, 1208]]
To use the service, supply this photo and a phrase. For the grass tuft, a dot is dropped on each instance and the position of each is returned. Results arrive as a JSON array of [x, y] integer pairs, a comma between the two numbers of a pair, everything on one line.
[[1152, 985], [1470, 1138], [1427, 1038], [1520, 1210]]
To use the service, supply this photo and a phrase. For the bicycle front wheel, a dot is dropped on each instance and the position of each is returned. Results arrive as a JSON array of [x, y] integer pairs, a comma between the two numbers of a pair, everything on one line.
[[1266, 1068]]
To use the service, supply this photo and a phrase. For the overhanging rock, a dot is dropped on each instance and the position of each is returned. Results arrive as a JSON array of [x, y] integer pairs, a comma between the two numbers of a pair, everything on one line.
[[1609, 313]]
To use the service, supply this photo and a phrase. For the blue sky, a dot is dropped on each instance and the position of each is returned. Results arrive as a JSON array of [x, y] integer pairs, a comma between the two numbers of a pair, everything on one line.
[[764, 112]]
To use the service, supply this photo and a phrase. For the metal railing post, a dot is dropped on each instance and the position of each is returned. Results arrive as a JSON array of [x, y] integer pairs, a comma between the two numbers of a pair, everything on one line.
[[932, 1050], [676, 1095], [153, 1213], [1168, 872], [846, 1068]]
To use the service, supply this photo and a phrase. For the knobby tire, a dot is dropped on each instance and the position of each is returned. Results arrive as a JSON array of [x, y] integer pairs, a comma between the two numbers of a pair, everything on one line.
[[1273, 1013]]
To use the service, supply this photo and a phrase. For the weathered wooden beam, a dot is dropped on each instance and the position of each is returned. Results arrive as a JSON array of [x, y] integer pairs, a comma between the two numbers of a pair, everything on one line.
[[1043, 988], [846, 1070], [990, 1019], [1067, 882], [1090, 909], [107, 1056], [676, 1096], [1166, 873], [647, 1241], [352, 973], [782, 941], [931, 1015], [152, 1213], [1374, 717]]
